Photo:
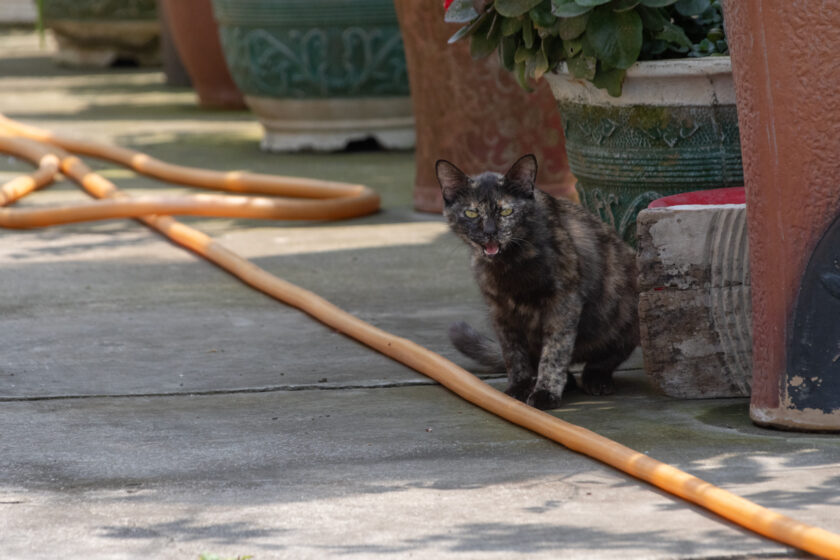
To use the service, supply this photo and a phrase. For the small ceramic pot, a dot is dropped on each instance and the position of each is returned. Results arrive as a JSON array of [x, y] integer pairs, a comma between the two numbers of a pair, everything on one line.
[[101, 32]]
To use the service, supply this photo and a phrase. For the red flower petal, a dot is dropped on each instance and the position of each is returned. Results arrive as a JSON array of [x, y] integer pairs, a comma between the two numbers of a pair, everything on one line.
[[446, 4]]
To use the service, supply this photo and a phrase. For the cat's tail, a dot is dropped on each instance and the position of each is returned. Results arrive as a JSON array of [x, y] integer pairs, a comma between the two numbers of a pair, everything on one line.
[[475, 345]]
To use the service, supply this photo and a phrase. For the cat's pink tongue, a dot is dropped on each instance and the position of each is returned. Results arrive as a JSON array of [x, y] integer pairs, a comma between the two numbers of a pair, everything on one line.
[[491, 248]]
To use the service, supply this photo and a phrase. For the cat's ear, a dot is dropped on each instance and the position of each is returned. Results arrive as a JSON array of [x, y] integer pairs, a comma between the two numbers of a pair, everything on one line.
[[522, 175], [451, 179]]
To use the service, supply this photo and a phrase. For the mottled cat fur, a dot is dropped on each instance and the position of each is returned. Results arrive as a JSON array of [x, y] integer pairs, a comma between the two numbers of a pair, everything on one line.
[[560, 284]]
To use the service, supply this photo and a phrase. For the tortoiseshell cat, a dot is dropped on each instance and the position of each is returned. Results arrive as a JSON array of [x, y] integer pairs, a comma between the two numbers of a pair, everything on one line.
[[560, 284]]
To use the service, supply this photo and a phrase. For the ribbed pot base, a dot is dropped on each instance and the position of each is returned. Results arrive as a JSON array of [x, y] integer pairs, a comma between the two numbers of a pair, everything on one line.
[[331, 124], [102, 43]]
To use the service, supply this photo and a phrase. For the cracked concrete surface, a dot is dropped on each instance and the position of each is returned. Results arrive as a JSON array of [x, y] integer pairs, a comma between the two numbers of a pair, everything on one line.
[[152, 406]]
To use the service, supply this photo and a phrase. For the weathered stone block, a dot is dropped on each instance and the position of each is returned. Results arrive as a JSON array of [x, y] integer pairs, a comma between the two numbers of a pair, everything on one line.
[[694, 302]]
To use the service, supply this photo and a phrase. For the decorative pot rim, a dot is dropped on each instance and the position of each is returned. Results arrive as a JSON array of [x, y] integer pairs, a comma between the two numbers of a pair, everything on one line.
[[675, 82], [680, 67], [304, 13]]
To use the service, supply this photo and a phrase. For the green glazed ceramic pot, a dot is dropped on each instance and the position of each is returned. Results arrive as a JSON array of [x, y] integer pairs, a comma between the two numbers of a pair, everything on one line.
[[674, 129], [100, 32], [319, 73]]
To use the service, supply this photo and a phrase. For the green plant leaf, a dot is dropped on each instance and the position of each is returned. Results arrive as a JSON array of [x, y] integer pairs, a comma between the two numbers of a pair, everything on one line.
[[657, 3], [461, 33], [495, 30], [527, 33], [540, 65], [652, 18], [552, 46], [582, 67], [610, 80], [591, 3], [572, 48], [514, 8], [624, 5], [715, 34], [521, 76], [522, 54], [460, 11], [692, 7], [587, 47], [571, 27], [486, 38], [567, 8], [616, 37], [507, 50], [705, 47], [39, 23], [542, 16], [470, 28], [511, 26], [480, 46], [655, 47], [674, 34]]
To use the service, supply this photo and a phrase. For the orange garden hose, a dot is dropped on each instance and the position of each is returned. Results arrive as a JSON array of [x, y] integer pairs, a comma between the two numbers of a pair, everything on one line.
[[334, 201]]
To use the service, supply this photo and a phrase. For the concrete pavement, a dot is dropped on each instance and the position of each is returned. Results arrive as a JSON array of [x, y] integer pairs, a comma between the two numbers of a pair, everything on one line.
[[151, 406]]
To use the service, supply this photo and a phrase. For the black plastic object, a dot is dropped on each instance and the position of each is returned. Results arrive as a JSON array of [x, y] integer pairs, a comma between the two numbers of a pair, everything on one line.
[[813, 368]]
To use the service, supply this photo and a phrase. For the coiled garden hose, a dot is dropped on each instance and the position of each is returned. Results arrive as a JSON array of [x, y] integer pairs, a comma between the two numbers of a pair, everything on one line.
[[329, 200]]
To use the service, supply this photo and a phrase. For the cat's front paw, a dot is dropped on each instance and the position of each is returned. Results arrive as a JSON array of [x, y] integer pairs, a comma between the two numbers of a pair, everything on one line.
[[543, 399], [519, 391]]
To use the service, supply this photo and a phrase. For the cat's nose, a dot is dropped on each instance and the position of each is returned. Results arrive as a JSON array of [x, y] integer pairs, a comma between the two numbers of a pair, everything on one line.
[[489, 227]]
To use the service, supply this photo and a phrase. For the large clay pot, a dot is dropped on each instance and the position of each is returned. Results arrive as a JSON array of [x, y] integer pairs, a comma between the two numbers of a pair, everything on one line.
[[472, 112], [196, 37], [673, 129], [319, 73], [101, 32], [173, 69], [787, 80]]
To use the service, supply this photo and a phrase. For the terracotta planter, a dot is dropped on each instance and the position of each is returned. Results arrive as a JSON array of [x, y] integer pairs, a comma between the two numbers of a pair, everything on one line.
[[674, 129], [472, 112], [319, 73], [101, 32], [196, 37], [173, 68], [788, 90]]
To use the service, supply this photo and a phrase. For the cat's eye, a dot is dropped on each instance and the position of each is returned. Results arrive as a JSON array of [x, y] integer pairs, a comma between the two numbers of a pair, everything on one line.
[[470, 213], [506, 211]]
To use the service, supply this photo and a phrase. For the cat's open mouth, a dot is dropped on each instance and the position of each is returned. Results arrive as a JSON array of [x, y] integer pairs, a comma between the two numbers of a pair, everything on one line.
[[491, 248]]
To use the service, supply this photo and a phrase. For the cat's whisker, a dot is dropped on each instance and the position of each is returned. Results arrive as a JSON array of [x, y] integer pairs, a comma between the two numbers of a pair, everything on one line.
[[520, 242]]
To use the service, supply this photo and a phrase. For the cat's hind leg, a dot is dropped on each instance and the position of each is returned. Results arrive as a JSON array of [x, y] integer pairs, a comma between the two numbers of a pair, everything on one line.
[[596, 378], [521, 375]]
